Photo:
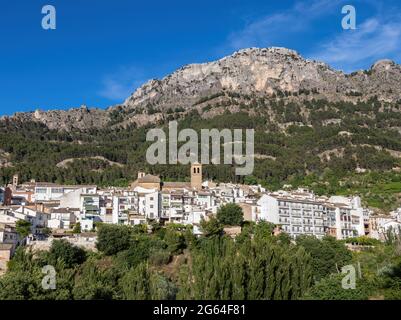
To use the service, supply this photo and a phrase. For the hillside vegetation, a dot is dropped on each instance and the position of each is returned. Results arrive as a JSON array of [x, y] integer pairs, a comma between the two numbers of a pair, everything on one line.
[[170, 263], [331, 147]]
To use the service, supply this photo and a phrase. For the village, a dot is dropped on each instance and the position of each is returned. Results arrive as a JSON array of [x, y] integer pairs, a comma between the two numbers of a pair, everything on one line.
[[72, 212]]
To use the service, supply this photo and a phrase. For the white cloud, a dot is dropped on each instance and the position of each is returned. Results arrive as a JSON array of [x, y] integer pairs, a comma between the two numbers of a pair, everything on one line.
[[121, 84], [375, 38], [267, 30]]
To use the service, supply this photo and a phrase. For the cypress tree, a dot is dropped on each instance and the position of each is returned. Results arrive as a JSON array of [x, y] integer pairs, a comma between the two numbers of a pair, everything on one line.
[[135, 284]]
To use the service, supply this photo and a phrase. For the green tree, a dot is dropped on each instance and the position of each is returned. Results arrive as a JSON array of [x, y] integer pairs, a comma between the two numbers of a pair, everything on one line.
[[139, 251], [250, 180], [112, 239], [135, 284], [284, 238], [19, 285], [68, 254], [175, 240], [330, 288], [23, 228], [223, 269], [230, 214], [328, 255], [211, 228], [263, 230], [161, 288], [96, 279], [77, 228]]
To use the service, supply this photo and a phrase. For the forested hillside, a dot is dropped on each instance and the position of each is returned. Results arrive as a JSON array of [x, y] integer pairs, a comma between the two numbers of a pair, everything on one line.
[[332, 147]]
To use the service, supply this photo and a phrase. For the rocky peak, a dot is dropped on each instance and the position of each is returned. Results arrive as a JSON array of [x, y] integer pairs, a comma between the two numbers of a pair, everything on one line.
[[265, 72], [383, 65], [254, 70]]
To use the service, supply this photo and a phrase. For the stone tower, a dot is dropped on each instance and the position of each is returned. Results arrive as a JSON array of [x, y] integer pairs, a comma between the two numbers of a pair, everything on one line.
[[196, 176], [15, 180], [141, 174]]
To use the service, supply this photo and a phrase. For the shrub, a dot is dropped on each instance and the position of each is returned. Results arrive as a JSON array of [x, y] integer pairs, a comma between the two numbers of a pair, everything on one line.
[[113, 239], [69, 254], [159, 258]]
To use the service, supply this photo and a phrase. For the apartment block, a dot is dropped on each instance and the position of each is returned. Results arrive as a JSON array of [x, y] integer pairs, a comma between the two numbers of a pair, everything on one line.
[[302, 212]]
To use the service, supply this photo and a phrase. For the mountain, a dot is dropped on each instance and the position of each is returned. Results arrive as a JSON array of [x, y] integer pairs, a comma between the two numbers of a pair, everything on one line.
[[258, 72], [265, 72], [314, 126]]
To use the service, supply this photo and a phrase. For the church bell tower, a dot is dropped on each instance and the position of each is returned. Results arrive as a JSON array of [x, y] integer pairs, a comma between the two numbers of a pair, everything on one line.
[[196, 176]]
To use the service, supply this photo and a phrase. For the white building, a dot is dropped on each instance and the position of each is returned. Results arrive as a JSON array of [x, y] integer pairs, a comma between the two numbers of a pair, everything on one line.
[[149, 203], [87, 224], [125, 206], [7, 216], [62, 218], [295, 215], [52, 191], [8, 235], [381, 224], [37, 219], [301, 212]]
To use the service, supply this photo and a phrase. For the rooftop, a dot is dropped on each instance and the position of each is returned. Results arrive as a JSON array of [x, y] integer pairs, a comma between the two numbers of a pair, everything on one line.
[[55, 185], [178, 185], [149, 179]]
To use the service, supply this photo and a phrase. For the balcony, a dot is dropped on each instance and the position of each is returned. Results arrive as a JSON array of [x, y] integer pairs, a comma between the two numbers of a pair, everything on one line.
[[282, 221], [296, 213], [178, 214], [284, 213]]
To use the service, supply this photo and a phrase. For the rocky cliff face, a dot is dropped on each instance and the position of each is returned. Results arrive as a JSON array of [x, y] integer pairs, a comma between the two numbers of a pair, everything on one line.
[[76, 118], [260, 72], [264, 72]]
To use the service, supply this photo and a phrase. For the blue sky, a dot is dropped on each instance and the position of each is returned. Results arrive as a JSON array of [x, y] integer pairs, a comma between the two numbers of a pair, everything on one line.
[[102, 50]]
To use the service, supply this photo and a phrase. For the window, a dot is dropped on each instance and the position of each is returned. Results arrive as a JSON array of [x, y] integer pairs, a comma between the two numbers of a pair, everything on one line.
[[41, 190]]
